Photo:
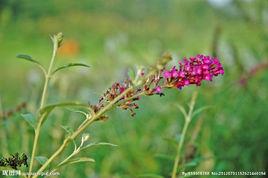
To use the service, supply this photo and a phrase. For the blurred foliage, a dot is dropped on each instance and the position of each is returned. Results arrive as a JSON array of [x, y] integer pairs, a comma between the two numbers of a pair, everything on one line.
[[112, 36]]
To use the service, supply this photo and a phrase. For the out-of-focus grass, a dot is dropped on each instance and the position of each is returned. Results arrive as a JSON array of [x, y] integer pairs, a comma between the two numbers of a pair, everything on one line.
[[114, 36]]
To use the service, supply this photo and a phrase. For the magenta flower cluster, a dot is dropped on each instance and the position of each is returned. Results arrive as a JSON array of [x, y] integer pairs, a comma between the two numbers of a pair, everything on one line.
[[190, 71], [193, 71]]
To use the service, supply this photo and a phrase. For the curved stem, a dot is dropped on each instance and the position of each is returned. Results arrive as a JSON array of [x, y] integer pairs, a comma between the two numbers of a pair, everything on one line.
[[188, 119], [42, 69], [42, 103], [91, 119]]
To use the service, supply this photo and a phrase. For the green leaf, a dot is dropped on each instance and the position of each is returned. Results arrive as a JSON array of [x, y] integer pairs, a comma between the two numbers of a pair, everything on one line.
[[171, 141], [28, 58], [149, 175], [199, 110], [98, 144], [67, 129], [79, 160], [49, 108], [41, 159], [181, 108], [191, 164], [29, 117], [165, 157], [105, 144], [70, 65]]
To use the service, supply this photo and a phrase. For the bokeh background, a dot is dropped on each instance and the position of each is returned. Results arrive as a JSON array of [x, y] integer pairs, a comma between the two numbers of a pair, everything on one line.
[[113, 36]]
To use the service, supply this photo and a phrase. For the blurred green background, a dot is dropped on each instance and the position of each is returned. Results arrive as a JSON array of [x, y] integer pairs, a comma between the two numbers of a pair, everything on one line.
[[114, 35]]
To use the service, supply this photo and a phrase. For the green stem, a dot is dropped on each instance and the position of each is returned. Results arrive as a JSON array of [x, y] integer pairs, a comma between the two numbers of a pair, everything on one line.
[[48, 75], [43, 99], [36, 137], [179, 148], [91, 119], [188, 119]]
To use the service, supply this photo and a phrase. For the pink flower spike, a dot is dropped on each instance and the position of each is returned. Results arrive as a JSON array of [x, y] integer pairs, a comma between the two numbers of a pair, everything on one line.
[[199, 70], [167, 74], [221, 71], [193, 70], [208, 77], [216, 61], [174, 73], [192, 59], [206, 60], [181, 74], [205, 66], [158, 90], [186, 82], [187, 68]]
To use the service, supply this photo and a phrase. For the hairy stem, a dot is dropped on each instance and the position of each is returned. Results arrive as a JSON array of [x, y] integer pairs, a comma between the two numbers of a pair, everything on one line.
[[48, 75], [43, 99], [188, 119], [91, 119]]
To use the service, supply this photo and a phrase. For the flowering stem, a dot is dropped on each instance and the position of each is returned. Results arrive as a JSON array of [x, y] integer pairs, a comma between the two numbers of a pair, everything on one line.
[[43, 98], [188, 119], [90, 119]]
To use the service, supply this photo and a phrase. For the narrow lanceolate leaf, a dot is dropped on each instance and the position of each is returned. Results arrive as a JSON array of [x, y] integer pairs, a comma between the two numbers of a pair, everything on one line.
[[30, 119], [181, 108], [199, 110], [105, 144], [194, 162], [49, 108], [191, 164], [41, 159], [165, 157], [28, 58], [80, 160], [67, 129], [70, 65], [171, 141], [98, 144]]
